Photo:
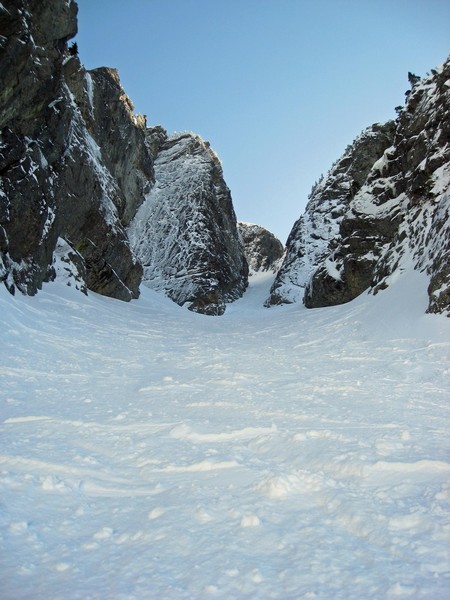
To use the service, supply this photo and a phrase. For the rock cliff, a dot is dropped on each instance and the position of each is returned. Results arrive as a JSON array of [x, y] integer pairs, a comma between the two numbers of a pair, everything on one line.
[[263, 250], [185, 232], [314, 236], [383, 207], [76, 164], [57, 191]]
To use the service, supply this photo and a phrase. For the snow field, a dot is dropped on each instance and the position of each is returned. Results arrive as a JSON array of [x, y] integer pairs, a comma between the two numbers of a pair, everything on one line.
[[149, 452]]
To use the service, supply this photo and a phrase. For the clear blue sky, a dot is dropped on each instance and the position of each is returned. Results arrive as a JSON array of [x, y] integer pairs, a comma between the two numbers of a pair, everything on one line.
[[279, 87]]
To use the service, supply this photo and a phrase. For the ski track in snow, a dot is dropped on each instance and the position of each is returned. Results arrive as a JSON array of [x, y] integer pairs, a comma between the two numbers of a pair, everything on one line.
[[149, 452]]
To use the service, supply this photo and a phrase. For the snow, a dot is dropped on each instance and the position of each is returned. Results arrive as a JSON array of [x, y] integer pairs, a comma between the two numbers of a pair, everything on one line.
[[90, 92], [48, 221], [381, 164], [332, 269], [365, 202], [55, 102], [150, 452], [441, 178]]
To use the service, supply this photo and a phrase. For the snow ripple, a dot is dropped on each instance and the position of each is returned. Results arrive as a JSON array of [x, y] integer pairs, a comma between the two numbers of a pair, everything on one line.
[[321, 469]]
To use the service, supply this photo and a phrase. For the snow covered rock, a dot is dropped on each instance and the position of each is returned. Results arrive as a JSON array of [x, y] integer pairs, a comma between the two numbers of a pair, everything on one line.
[[57, 180], [185, 232], [365, 223], [263, 250], [314, 235]]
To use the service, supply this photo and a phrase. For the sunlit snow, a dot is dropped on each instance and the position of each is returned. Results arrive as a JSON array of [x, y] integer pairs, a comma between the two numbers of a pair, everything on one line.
[[147, 452]]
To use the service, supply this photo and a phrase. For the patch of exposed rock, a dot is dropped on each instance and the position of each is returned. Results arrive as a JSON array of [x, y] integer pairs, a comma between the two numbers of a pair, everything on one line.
[[262, 249]]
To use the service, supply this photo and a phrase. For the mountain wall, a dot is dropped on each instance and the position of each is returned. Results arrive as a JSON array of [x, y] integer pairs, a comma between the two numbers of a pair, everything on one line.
[[60, 189], [185, 232], [263, 250], [89, 192], [382, 208], [76, 164], [314, 236]]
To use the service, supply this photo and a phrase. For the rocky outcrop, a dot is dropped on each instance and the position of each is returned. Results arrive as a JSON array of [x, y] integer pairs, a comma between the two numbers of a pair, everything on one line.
[[120, 134], [315, 235], [388, 214], [262, 249], [76, 164], [59, 181], [30, 57], [185, 233]]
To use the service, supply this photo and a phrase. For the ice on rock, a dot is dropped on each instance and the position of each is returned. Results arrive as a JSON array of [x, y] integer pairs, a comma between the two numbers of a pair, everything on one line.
[[185, 232]]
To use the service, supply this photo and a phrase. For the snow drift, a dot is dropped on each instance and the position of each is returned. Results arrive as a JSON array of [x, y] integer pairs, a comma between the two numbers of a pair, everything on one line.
[[148, 452]]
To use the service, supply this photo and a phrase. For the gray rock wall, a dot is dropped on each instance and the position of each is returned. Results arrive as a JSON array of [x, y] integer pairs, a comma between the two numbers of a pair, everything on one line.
[[262, 249], [185, 232], [382, 208], [55, 182]]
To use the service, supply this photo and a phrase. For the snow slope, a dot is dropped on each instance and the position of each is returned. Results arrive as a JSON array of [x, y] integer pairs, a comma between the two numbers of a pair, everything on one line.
[[148, 452]]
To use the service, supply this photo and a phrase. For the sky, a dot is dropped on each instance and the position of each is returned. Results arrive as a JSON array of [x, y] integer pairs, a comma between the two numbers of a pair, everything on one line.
[[278, 87]]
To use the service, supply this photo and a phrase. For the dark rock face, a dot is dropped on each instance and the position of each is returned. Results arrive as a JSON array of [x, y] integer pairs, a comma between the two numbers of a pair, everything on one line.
[[119, 133], [55, 180], [185, 231], [262, 249], [76, 165], [391, 215], [30, 56], [34, 35]]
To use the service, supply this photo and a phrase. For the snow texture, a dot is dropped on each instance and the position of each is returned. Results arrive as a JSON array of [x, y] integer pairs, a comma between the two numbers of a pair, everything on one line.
[[150, 452]]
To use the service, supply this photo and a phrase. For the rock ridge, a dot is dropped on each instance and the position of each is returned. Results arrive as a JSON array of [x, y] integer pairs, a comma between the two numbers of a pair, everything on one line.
[[382, 208], [197, 257]]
